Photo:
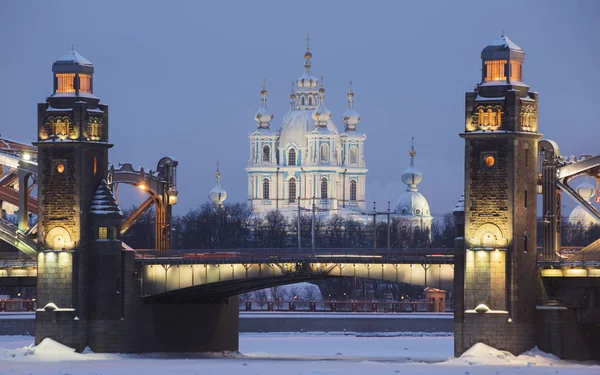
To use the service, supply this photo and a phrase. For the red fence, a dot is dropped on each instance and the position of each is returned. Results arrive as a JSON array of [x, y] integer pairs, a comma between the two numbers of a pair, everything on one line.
[[343, 306], [15, 305]]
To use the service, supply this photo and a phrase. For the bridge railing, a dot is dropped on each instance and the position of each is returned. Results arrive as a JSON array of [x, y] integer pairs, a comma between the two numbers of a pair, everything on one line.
[[17, 305], [345, 306], [285, 255]]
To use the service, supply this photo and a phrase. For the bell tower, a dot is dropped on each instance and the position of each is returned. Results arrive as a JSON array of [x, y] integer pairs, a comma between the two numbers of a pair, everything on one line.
[[73, 149], [496, 299]]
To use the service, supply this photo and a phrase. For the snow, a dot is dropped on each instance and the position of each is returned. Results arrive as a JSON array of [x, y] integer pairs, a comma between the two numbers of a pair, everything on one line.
[[296, 354], [503, 41], [483, 99], [74, 57]]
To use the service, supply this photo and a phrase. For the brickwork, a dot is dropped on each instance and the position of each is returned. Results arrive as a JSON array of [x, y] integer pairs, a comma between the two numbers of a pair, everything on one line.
[[485, 279]]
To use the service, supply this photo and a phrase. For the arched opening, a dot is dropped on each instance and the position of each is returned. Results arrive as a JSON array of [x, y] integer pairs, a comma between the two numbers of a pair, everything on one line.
[[310, 100], [266, 189], [324, 188], [353, 155], [324, 152], [302, 101], [266, 156], [292, 190], [292, 157], [353, 190]]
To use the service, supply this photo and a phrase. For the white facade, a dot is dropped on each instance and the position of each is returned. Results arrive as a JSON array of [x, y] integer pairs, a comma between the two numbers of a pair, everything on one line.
[[307, 157], [412, 208]]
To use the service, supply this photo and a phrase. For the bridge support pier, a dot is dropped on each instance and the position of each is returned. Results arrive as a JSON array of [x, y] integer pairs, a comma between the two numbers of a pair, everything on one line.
[[138, 327], [23, 217]]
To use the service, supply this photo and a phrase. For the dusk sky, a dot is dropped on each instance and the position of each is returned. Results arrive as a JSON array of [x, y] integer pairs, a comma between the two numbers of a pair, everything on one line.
[[182, 79]]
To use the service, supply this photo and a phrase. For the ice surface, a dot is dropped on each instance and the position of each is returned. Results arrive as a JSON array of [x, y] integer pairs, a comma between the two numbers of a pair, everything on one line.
[[296, 354]]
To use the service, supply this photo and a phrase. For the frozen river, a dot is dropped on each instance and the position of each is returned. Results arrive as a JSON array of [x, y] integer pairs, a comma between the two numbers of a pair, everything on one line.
[[296, 354]]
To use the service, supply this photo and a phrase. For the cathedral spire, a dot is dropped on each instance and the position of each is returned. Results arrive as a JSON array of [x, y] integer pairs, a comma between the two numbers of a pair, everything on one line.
[[306, 81], [412, 176], [217, 195], [321, 114], [263, 116], [351, 117]]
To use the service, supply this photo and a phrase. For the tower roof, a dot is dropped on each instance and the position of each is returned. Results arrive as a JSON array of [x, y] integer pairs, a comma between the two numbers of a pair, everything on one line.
[[104, 202], [502, 43], [72, 62]]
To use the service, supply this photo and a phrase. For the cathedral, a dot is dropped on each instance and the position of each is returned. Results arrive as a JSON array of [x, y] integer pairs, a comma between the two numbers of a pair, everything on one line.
[[307, 160]]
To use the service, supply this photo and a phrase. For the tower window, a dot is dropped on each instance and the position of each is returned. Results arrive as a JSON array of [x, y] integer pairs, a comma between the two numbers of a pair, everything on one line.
[[525, 199], [324, 152], [85, 83], [266, 158], [95, 165], [353, 190], [515, 71], [65, 82], [102, 233], [324, 188], [525, 242], [310, 100], [292, 190], [60, 167], [353, 155], [495, 70], [292, 157], [266, 189]]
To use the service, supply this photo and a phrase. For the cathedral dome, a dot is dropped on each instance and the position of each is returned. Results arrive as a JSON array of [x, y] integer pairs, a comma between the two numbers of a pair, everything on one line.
[[296, 125], [217, 195], [579, 215], [263, 116], [351, 117], [412, 176], [412, 203]]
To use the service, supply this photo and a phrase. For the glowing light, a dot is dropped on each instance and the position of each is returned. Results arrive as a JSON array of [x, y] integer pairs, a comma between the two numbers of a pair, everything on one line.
[[489, 161], [142, 186], [26, 156], [60, 167]]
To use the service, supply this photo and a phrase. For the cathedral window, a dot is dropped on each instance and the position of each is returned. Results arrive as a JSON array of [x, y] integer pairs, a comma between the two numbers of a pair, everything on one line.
[[266, 189], [65, 82], [292, 157], [85, 83], [515, 71], [310, 100], [324, 188], [499, 117], [266, 156], [491, 117], [292, 190], [302, 101], [495, 70], [353, 155], [61, 126], [353, 190], [324, 152]]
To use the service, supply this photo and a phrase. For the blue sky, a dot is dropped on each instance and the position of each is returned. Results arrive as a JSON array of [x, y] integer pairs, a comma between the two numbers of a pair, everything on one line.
[[182, 78]]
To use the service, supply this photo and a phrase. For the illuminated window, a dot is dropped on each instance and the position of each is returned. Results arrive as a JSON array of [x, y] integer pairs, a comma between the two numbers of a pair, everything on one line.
[[491, 117], [353, 155], [515, 71], [499, 117], [353, 190], [102, 233], [60, 167], [65, 82], [266, 158], [324, 152], [94, 128], [323, 188], [95, 165], [266, 188], [85, 83], [495, 70], [292, 190], [292, 157]]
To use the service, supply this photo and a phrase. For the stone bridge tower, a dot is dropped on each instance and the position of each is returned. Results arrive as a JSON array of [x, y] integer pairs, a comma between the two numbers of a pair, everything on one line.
[[75, 230], [496, 299]]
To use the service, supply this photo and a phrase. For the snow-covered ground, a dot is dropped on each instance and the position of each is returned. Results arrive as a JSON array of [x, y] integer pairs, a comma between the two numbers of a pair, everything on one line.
[[296, 354]]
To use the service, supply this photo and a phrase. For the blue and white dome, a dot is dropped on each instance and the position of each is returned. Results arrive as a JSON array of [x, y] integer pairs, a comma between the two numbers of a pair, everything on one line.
[[411, 203], [217, 195], [579, 215]]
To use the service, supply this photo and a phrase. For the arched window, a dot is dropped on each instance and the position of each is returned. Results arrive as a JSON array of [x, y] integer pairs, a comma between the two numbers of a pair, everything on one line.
[[266, 154], [491, 117], [266, 188], [292, 190], [292, 157], [324, 152], [353, 155], [310, 100], [353, 190], [499, 117], [323, 188], [481, 119], [302, 102]]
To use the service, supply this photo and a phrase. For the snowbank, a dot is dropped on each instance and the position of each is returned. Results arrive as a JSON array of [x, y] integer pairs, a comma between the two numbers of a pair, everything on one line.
[[481, 354]]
